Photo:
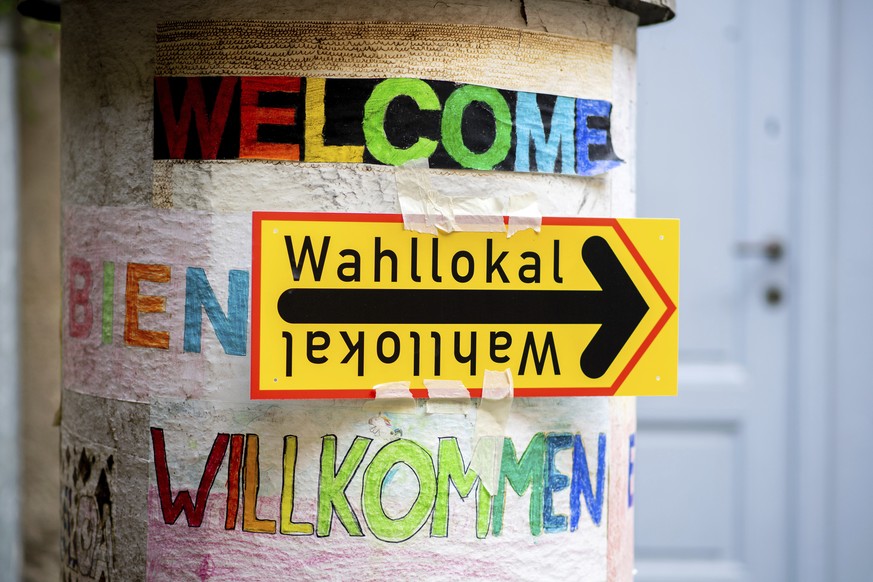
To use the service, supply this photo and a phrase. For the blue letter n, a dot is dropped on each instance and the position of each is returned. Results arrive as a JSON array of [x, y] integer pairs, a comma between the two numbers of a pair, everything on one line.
[[230, 329]]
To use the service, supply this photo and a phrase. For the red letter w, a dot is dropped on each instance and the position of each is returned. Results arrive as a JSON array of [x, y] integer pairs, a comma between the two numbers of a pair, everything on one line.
[[210, 127], [172, 509]]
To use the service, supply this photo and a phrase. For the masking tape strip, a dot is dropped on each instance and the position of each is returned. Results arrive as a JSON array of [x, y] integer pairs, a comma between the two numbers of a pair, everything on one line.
[[414, 193], [524, 212], [486, 55], [446, 389], [491, 419], [392, 397], [394, 390], [427, 210], [447, 397]]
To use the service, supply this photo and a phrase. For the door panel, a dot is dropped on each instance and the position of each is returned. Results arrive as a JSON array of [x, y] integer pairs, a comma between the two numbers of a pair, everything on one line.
[[689, 72], [710, 473]]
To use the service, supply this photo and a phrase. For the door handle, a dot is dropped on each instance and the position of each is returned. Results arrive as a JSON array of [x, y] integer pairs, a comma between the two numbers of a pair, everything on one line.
[[772, 250]]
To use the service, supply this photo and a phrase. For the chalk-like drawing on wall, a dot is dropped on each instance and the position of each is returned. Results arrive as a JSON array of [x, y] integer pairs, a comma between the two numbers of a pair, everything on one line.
[[86, 514]]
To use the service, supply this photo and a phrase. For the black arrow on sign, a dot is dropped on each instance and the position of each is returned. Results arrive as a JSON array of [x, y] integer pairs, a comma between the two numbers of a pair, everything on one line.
[[618, 306]]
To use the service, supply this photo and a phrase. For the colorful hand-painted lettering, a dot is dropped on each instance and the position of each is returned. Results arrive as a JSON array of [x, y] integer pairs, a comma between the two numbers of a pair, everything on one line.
[[381, 121], [534, 470]]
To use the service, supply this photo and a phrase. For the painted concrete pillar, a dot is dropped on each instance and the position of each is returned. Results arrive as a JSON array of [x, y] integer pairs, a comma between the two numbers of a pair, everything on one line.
[[179, 121]]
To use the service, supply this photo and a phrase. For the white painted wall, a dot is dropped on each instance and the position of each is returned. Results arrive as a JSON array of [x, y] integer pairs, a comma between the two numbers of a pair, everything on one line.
[[851, 515], [814, 40], [831, 431]]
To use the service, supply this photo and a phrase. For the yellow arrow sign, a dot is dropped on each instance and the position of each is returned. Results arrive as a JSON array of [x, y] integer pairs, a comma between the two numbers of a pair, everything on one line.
[[343, 302]]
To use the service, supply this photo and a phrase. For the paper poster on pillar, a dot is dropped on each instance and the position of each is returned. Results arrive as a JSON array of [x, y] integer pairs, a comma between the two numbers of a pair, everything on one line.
[[318, 489], [156, 303], [381, 121], [622, 458]]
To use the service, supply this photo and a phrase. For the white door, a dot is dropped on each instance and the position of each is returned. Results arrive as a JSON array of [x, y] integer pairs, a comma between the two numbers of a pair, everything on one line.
[[711, 473]]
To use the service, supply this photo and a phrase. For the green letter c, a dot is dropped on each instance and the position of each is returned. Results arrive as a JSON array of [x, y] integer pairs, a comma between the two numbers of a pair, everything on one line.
[[374, 120]]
